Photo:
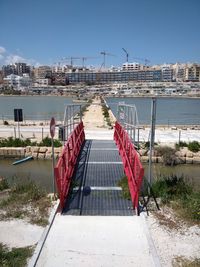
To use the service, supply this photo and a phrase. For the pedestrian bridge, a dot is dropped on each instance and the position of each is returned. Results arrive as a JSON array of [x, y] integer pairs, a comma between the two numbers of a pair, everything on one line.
[[88, 172], [95, 226]]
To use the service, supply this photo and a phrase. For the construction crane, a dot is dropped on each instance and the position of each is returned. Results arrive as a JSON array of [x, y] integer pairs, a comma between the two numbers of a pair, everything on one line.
[[78, 58], [104, 57], [127, 55], [84, 59], [71, 59], [145, 60]]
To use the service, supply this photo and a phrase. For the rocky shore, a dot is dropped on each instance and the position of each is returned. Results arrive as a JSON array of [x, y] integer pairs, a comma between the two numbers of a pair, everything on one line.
[[35, 152], [183, 156]]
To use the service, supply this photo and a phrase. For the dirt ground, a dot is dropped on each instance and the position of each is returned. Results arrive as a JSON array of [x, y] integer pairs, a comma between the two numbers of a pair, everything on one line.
[[93, 118]]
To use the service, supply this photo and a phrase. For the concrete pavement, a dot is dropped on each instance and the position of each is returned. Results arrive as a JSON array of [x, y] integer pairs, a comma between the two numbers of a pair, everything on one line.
[[98, 241]]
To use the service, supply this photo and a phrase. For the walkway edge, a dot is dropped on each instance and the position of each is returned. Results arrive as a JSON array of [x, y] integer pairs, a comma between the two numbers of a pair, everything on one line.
[[33, 261], [152, 247]]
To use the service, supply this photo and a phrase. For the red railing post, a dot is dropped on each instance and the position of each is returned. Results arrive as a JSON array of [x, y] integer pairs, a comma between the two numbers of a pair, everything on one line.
[[66, 163], [131, 162]]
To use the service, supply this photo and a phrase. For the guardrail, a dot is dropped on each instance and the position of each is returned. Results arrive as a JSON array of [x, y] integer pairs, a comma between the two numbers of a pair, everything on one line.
[[131, 162], [67, 161]]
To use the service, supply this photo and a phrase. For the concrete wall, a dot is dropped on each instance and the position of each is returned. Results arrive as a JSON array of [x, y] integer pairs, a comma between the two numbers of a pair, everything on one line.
[[36, 152], [181, 157]]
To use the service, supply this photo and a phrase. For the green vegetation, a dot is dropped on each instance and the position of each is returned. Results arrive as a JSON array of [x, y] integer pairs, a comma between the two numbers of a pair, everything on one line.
[[174, 191], [123, 183], [193, 146], [106, 114], [47, 142], [168, 154], [84, 109], [147, 144], [26, 201], [180, 145], [16, 142], [15, 257], [3, 184]]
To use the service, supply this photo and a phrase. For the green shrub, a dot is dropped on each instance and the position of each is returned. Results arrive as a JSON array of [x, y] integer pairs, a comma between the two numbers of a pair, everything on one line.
[[182, 197], [14, 257], [123, 182], [29, 191], [180, 145], [194, 146], [168, 155], [192, 205], [147, 144], [47, 142], [16, 142], [3, 184], [171, 187]]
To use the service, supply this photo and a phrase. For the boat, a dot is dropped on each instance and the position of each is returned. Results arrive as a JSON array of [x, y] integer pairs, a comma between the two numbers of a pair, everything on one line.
[[22, 160]]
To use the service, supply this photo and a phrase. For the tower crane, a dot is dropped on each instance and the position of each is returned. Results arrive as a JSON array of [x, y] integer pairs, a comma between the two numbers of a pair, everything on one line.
[[127, 55], [104, 53], [145, 60], [71, 59], [84, 59]]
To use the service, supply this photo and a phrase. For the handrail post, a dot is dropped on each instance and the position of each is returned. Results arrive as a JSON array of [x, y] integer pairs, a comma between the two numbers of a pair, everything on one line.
[[132, 165], [66, 163]]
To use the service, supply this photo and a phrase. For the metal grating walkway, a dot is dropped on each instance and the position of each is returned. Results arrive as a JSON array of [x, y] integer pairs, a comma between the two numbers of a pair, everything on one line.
[[94, 189]]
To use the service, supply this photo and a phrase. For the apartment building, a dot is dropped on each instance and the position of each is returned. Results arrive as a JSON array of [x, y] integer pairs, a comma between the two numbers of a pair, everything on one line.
[[42, 72], [192, 73], [167, 73], [131, 66], [17, 81], [17, 69]]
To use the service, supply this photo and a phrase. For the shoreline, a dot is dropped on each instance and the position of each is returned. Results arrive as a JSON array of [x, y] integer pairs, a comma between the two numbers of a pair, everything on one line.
[[106, 95]]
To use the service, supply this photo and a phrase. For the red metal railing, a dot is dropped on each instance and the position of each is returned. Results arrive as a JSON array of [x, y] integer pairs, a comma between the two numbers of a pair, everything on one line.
[[67, 161], [132, 165]]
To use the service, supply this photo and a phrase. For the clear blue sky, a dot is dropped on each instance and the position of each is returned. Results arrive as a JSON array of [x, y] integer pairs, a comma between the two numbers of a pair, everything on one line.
[[44, 31]]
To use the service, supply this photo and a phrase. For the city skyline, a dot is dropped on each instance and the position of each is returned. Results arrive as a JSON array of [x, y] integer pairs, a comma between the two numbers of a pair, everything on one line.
[[44, 32]]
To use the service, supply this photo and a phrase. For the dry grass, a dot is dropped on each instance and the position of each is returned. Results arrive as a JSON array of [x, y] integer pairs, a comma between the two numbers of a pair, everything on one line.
[[184, 262], [28, 202]]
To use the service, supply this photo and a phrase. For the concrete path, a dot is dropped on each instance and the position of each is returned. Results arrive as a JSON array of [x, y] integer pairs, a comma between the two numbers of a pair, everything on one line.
[[100, 241]]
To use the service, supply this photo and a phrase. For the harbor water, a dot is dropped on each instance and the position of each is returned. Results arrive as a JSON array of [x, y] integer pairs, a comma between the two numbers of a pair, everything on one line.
[[40, 172], [170, 111], [34, 107]]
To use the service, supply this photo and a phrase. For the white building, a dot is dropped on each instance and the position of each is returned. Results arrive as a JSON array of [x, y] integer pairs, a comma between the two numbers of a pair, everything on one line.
[[167, 73], [18, 82], [42, 82], [131, 66]]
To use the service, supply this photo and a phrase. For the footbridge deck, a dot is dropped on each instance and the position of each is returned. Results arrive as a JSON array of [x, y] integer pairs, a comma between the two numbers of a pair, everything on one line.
[[95, 189]]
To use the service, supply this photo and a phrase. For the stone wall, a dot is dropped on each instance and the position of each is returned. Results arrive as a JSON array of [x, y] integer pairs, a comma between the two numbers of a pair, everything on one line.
[[183, 156], [36, 152]]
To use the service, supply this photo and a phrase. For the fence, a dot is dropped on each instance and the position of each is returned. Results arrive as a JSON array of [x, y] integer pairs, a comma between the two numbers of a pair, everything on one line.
[[67, 161], [132, 165]]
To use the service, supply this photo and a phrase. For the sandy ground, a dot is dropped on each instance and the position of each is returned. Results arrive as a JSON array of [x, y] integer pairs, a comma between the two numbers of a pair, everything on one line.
[[93, 118], [175, 239], [18, 233]]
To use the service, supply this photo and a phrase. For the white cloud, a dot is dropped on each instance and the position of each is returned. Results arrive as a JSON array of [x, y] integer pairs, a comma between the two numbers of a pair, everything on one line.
[[2, 50], [7, 58], [11, 59]]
